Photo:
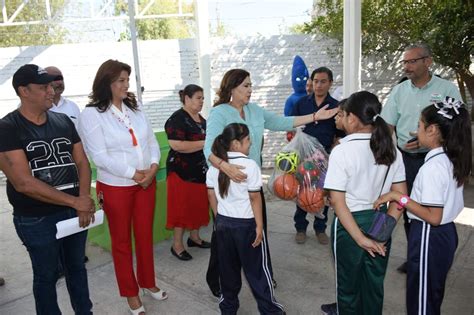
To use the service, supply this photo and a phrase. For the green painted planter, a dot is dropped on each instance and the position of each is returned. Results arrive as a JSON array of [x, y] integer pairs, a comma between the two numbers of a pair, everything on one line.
[[100, 235]]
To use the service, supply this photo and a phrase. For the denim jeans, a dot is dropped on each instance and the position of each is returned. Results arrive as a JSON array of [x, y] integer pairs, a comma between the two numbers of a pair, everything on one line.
[[38, 234], [301, 223]]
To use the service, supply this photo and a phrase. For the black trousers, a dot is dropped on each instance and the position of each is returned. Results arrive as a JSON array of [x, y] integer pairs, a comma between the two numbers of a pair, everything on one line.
[[212, 275], [235, 252], [430, 256]]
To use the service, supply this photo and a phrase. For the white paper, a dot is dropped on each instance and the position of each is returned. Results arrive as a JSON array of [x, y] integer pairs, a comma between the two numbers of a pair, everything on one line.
[[71, 226]]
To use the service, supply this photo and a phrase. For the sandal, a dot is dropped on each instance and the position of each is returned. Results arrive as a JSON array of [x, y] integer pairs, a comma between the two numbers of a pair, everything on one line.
[[137, 311], [159, 295]]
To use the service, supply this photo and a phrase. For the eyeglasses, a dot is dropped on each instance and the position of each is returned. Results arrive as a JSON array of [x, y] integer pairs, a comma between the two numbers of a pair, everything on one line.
[[412, 61]]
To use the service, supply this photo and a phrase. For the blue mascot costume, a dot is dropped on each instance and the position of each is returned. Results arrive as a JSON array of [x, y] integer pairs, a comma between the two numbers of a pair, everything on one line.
[[299, 76]]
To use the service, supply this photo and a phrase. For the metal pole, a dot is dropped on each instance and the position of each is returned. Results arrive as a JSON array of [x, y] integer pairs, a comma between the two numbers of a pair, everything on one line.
[[351, 46], [133, 33], [204, 52]]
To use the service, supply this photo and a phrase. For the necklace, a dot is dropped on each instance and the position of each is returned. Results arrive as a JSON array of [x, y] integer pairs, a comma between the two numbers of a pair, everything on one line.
[[125, 121]]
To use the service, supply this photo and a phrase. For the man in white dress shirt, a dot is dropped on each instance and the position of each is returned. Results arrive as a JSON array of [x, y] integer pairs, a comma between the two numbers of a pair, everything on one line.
[[60, 103]]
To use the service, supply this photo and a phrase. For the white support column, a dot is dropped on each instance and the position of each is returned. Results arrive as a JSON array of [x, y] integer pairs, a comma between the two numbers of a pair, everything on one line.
[[201, 13], [133, 33], [352, 47]]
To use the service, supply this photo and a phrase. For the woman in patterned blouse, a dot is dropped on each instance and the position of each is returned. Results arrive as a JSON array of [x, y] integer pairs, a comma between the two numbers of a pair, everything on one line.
[[188, 207]]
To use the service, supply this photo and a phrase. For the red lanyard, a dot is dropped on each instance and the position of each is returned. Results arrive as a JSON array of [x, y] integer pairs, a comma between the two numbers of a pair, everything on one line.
[[126, 123]]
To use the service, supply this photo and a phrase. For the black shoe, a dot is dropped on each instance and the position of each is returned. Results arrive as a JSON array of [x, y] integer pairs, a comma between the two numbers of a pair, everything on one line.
[[184, 255], [402, 268], [203, 244], [329, 309]]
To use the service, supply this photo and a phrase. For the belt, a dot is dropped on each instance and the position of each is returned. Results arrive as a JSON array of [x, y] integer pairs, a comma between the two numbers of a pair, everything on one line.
[[417, 155]]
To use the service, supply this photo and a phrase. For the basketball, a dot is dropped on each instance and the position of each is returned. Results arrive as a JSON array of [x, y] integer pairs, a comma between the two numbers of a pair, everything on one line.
[[287, 161], [285, 187], [310, 200]]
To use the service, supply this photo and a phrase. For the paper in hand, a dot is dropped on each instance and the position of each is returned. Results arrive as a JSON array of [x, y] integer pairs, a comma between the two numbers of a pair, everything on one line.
[[71, 226]]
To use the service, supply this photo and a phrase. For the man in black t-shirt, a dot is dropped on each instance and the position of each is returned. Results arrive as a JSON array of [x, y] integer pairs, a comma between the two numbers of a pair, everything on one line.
[[48, 180]]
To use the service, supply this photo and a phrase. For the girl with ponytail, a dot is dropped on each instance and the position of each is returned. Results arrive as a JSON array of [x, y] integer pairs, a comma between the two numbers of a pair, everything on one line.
[[435, 202], [239, 223], [365, 164]]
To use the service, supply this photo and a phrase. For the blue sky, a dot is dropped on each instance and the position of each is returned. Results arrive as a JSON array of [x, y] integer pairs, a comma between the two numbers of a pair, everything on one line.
[[265, 17]]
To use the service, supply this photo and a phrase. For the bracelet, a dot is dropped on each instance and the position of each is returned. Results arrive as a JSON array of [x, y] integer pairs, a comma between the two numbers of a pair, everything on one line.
[[314, 118], [404, 199]]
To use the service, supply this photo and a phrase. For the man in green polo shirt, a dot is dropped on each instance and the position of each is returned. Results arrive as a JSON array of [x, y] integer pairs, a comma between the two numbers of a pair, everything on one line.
[[404, 105]]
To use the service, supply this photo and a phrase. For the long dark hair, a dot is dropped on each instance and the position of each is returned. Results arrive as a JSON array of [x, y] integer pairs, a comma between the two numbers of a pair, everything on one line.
[[221, 146], [232, 79], [366, 106], [101, 94], [456, 136], [189, 90]]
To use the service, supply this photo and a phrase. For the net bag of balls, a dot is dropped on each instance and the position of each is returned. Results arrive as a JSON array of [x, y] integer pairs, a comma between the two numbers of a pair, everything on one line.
[[299, 173]]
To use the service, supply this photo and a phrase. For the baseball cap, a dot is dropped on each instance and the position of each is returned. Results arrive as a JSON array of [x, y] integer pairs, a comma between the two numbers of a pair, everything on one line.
[[30, 73]]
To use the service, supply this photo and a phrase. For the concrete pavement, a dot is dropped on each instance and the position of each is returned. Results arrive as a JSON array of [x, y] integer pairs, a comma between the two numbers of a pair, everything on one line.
[[305, 273]]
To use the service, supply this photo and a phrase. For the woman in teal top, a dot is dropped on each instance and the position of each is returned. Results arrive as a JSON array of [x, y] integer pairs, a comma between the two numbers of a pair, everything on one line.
[[232, 106]]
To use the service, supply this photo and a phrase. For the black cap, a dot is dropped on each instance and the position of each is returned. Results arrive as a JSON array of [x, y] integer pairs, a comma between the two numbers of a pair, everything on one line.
[[28, 74]]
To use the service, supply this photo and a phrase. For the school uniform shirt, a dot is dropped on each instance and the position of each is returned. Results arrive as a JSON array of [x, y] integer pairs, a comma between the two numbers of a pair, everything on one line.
[[67, 107], [435, 186], [109, 143], [352, 169], [237, 203]]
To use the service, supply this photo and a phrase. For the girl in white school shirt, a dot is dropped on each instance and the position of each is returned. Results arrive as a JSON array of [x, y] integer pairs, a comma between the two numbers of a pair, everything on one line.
[[239, 224], [435, 201], [365, 164]]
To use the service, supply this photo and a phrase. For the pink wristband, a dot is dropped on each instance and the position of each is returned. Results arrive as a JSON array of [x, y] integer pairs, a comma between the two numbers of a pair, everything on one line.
[[404, 199]]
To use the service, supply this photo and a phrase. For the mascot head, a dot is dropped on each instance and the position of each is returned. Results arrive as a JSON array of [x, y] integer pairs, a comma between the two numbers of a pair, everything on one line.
[[299, 75]]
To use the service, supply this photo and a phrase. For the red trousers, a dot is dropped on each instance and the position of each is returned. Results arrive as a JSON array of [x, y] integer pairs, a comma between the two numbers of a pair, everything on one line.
[[126, 207]]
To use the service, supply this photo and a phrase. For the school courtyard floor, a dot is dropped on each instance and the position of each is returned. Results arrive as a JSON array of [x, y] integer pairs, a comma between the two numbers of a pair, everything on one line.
[[305, 273]]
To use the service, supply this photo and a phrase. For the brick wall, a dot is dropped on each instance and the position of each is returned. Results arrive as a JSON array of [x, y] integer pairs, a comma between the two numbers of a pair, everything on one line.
[[168, 65]]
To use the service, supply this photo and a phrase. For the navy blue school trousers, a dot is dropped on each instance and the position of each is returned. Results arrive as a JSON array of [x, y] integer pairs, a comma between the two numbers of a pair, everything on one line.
[[235, 252], [430, 256]]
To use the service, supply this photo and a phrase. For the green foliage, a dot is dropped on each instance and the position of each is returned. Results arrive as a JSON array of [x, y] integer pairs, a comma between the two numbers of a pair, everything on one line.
[[219, 31], [33, 34], [158, 28], [390, 25], [297, 29]]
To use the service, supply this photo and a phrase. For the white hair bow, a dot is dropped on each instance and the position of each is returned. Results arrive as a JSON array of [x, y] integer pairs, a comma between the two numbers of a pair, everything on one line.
[[447, 104]]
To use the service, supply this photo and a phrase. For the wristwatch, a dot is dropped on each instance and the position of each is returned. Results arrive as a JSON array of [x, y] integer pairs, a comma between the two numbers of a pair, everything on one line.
[[402, 202]]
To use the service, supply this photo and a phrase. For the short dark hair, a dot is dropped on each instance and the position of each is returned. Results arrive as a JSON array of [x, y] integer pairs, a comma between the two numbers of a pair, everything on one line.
[[323, 70]]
